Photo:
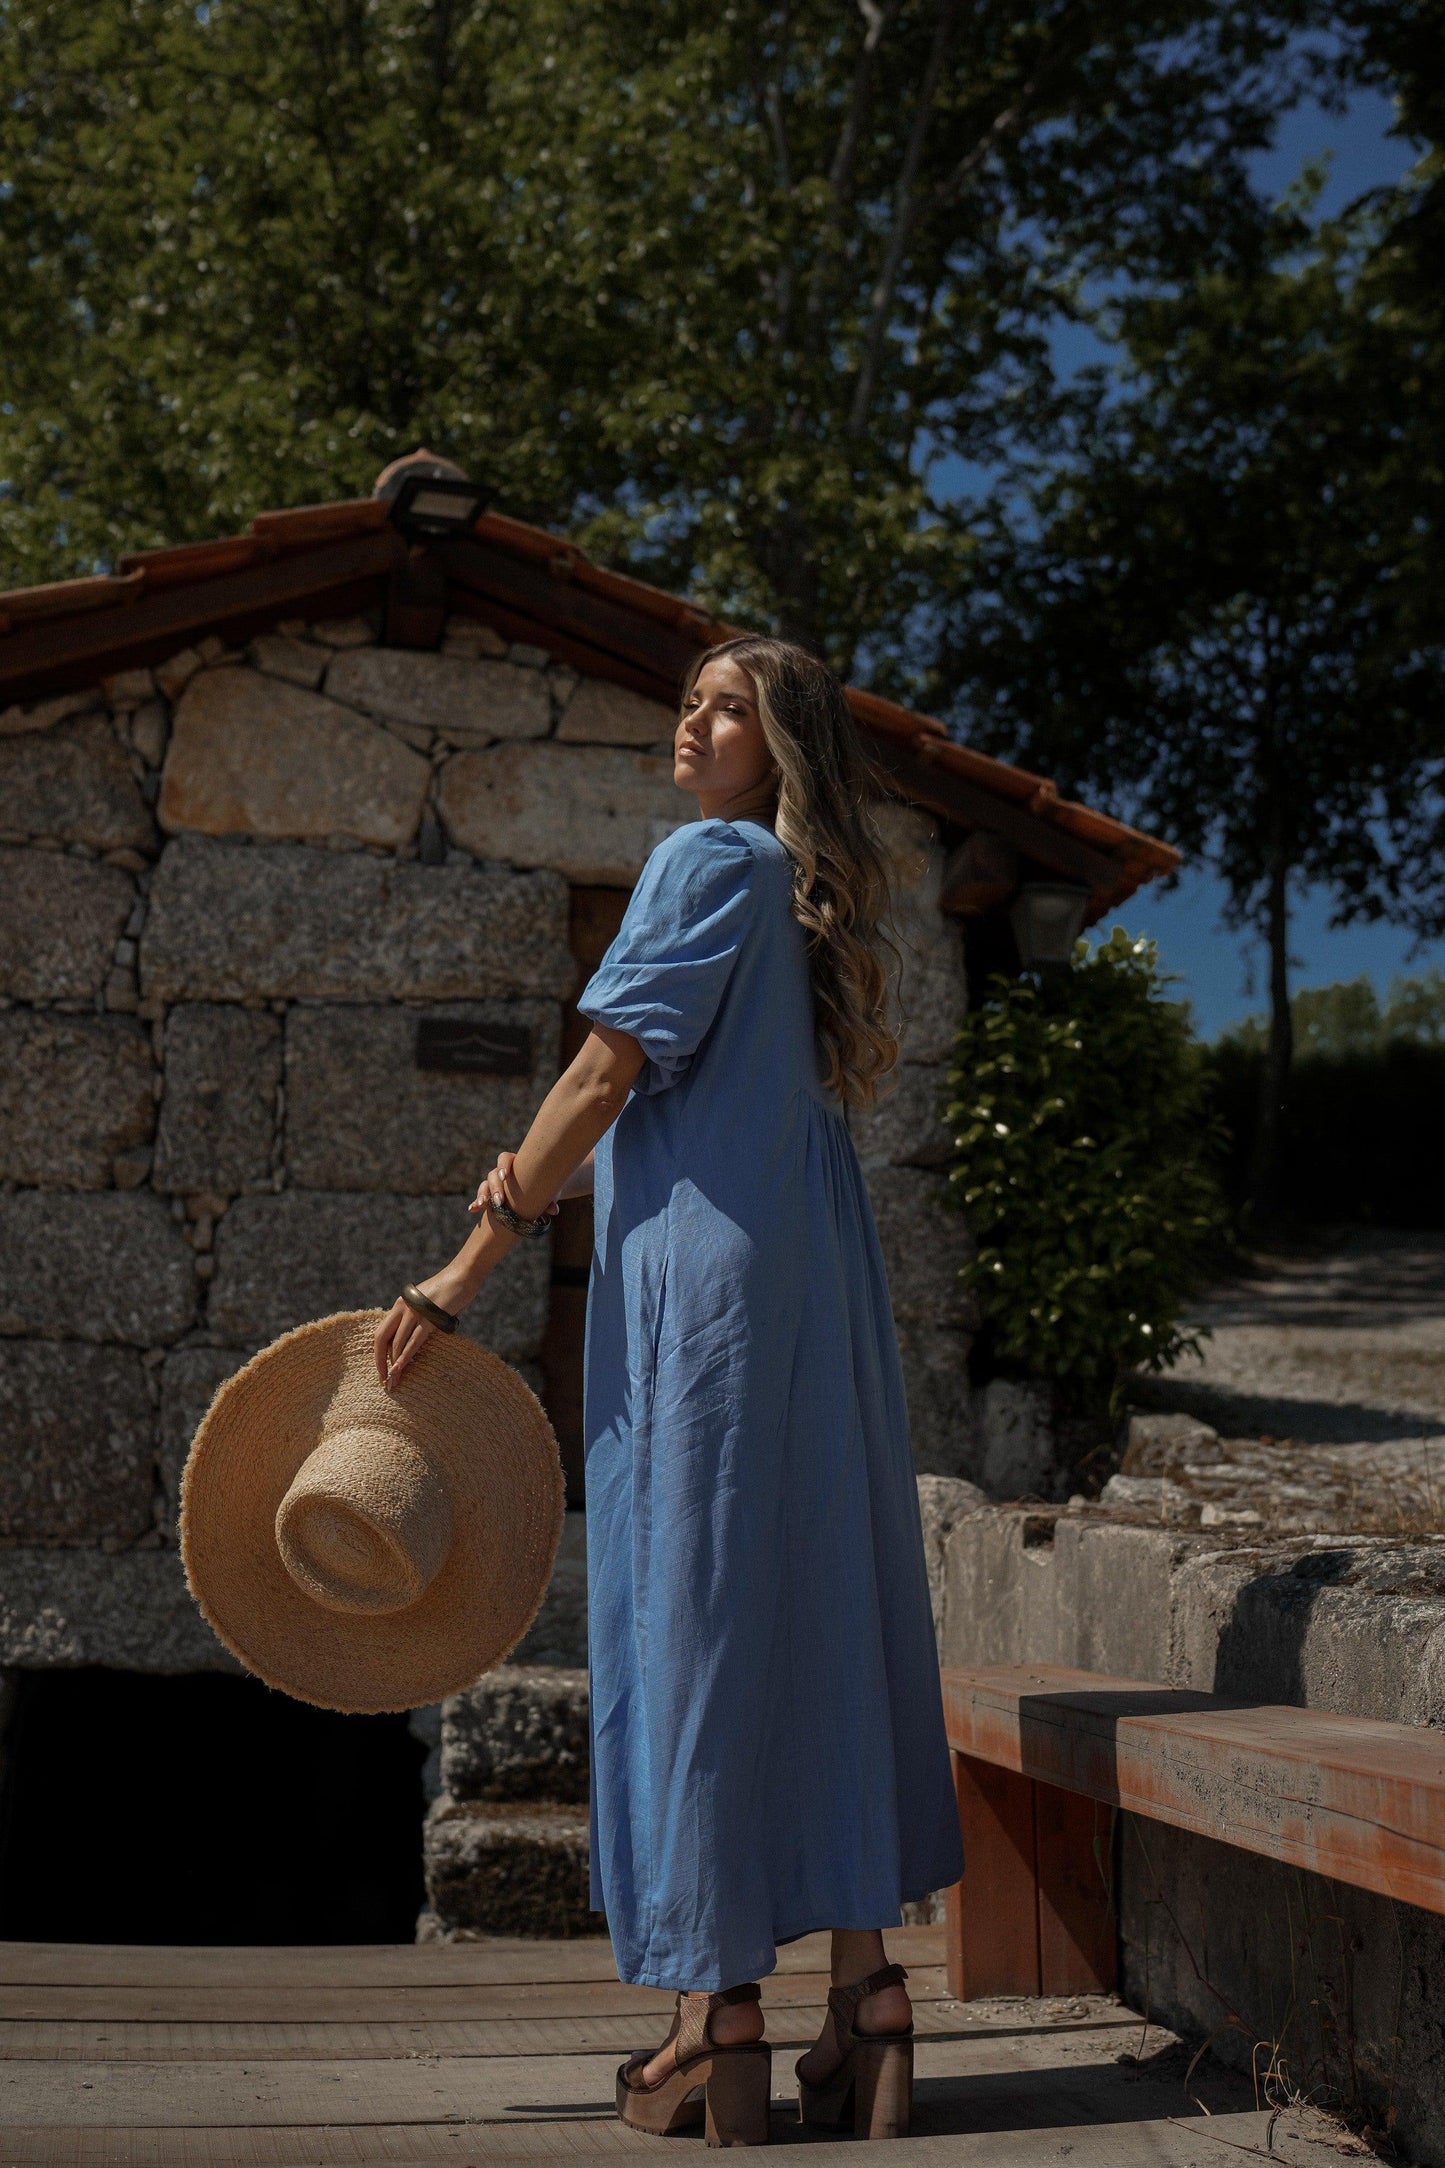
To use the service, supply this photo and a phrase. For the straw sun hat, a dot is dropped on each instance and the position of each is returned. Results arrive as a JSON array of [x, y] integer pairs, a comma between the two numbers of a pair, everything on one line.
[[367, 1550]]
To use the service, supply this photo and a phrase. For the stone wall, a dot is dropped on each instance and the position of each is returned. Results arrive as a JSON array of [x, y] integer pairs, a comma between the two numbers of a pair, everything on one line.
[[1352, 1986], [232, 889], [903, 1144]]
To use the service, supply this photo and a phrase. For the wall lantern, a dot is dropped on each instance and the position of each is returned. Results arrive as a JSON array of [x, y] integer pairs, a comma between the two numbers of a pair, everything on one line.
[[1047, 918]]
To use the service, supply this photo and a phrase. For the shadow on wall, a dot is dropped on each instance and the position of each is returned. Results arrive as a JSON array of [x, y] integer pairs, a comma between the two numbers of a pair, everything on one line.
[[1261, 1650], [204, 1809]]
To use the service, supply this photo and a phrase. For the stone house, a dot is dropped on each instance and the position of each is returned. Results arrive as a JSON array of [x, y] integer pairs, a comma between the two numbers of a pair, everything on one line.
[[308, 838]]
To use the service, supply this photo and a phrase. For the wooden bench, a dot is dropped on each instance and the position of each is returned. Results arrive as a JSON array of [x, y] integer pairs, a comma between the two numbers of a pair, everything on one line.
[[1044, 1758]]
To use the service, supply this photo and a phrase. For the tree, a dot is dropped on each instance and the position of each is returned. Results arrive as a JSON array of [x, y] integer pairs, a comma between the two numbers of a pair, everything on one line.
[[1415, 1010], [1346, 1019], [1362, 1140], [719, 290], [1336, 1020], [1397, 49], [1207, 613]]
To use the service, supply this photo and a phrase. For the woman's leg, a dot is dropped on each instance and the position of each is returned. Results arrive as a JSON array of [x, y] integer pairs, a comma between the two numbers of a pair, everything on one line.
[[734, 2024], [857, 1951]]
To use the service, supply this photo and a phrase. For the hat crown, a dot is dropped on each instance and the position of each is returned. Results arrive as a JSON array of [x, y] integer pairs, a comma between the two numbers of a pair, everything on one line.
[[367, 1523], [305, 1567]]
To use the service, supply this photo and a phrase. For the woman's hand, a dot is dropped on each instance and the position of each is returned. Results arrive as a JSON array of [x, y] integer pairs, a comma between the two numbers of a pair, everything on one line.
[[581, 1107], [401, 1335], [493, 1187]]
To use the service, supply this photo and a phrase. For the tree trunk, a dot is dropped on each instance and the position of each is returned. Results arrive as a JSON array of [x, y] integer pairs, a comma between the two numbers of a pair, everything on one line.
[[1264, 1173]]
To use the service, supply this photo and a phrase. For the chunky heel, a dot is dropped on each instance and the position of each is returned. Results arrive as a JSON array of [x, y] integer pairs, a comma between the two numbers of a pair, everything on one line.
[[882, 2088], [824, 2105], [727, 2088], [874, 2072], [738, 2093]]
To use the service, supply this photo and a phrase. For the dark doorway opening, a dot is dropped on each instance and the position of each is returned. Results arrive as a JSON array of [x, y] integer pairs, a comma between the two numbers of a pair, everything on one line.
[[204, 1809]]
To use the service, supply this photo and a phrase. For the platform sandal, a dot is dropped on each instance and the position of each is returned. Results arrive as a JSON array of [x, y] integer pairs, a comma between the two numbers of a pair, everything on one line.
[[726, 2088], [875, 2074]]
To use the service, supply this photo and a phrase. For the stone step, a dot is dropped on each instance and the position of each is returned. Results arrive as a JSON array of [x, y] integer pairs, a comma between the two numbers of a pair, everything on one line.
[[500, 1868], [519, 1733], [503, 1869]]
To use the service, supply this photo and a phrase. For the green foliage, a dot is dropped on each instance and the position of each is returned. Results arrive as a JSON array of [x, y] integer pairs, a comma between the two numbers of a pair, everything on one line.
[[721, 290], [1361, 1135], [1217, 611], [1332, 1022], [1083, 1160], [1340, 1019], [1415, 1009], [1362, 1139]]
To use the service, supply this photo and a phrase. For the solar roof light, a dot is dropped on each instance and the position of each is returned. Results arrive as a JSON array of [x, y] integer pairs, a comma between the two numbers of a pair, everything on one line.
[[431, 498], [433, 509], [1047, 918]]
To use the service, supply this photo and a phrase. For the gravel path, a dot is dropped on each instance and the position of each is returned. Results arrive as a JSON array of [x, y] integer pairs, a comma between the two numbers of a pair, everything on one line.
[[1337, 1346]]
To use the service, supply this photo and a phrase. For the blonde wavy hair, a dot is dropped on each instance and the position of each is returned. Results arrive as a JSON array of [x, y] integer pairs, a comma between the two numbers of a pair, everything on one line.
[[841, 894]]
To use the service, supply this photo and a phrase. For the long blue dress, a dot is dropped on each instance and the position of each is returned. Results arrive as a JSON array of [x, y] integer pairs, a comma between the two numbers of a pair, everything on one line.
[[768, 1751]]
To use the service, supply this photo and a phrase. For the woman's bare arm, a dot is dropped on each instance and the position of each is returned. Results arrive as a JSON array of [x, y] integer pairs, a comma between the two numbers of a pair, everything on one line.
[[493, 1187], [581, 1107]]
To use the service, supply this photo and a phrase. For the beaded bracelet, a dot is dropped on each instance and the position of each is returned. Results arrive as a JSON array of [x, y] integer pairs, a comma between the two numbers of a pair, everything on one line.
[[514, 1222]]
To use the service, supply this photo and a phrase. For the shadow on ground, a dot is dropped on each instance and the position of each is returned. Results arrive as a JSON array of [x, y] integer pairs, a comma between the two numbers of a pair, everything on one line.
[[1237, 1414]]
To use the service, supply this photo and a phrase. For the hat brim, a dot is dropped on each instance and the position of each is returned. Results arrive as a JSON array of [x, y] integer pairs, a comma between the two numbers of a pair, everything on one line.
[[487, 1435]]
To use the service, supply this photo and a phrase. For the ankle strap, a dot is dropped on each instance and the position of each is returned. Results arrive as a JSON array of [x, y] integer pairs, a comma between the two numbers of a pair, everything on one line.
[[845, 2000], [694, 2030]]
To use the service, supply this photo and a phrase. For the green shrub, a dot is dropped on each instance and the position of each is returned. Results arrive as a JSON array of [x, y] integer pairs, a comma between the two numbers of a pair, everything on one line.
[[1084, 1160]]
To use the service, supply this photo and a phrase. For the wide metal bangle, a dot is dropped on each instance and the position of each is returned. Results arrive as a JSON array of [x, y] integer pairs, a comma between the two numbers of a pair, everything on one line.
[[431, 1311], [514, 1222]]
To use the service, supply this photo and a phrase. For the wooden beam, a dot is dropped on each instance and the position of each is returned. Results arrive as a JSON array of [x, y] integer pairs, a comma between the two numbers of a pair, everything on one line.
[[533, 591], [928, 782], [1078, 1939], [416, 602], [992, 1928], [577, 654], [54, 654], [1343, 1796], [980, 874]]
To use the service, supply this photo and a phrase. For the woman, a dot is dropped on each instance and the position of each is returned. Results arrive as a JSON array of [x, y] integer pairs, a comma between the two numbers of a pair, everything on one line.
[[768, 1753]]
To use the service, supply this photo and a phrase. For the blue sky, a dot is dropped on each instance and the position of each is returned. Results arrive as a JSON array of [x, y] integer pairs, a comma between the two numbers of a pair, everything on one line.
[[1223, 973], [1220, 971]]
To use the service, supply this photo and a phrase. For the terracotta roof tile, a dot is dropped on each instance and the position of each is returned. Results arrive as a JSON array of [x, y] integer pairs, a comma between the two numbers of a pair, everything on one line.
[[595, 618], [60, 599]]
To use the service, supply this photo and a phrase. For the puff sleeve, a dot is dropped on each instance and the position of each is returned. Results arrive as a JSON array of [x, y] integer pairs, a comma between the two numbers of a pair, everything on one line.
[[664, 977]]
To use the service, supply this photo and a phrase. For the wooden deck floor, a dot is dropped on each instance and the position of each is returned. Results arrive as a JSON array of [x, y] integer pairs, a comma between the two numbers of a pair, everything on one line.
[[504, 2051]]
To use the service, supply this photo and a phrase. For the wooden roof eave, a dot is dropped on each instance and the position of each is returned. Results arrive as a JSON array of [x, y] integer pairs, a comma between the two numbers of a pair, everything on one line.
[[42, 655], [593, 619], [332, 559], [544, 586], [919, 774]]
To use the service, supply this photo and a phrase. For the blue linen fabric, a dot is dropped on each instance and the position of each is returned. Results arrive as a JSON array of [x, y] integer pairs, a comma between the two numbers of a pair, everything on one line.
[[768, 1751]]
